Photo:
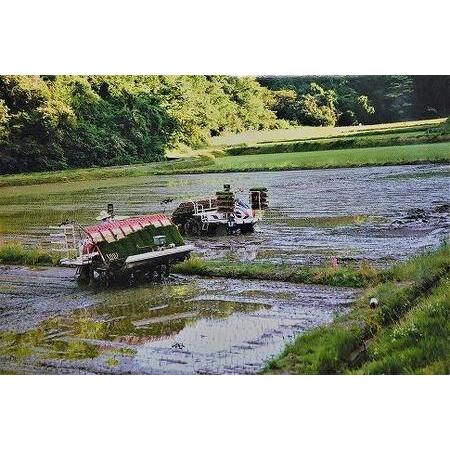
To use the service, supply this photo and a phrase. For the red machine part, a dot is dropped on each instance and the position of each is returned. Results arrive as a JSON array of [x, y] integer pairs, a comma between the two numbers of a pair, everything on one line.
[[118, 229]]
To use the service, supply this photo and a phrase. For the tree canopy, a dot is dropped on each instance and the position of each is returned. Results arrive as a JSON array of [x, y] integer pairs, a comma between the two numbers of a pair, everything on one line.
[[364, 99], [55, 122]]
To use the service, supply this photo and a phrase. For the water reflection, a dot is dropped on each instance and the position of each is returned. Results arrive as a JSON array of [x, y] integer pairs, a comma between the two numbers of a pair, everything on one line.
[[48, 324], [381, 193], [184, 326]]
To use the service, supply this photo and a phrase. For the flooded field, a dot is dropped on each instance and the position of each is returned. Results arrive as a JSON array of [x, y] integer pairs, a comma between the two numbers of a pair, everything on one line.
[[193, 325], [185, 326], [315, 214]]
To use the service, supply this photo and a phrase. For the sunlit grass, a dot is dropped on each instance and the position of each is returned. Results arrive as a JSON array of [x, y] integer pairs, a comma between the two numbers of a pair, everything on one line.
[[306, 132], [360, 157], [359, 141], [413, 305], [16, 253], [349, 275]]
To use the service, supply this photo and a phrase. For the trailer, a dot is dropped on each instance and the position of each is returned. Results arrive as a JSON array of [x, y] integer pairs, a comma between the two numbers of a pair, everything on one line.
[[127, 249], [226, 212]]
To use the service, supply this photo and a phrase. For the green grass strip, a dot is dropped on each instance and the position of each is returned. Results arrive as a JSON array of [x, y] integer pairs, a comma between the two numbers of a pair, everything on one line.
[[413, 305], [344, 275]]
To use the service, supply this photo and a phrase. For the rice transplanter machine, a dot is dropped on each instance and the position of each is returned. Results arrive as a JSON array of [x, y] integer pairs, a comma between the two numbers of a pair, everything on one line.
[[224, 212], [125, 249]]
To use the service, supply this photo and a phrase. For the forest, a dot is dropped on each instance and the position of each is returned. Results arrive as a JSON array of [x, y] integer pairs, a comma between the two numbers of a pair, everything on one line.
[[53, 122]]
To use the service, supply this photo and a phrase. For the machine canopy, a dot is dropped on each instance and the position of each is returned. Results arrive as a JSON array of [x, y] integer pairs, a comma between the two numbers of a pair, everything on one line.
[[115, 230]]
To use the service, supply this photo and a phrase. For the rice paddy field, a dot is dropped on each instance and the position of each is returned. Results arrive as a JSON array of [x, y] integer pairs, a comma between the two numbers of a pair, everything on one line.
[[371, 208], [357, 157], [305, 132]]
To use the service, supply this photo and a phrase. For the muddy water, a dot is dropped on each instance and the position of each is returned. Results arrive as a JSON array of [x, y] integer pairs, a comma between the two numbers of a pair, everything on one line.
[[184, 326], [49, 325], [381, 194]]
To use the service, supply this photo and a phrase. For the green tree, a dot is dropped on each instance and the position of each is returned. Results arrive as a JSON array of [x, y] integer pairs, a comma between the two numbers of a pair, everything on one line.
[[4, 119], [53, 122], [318, 107]]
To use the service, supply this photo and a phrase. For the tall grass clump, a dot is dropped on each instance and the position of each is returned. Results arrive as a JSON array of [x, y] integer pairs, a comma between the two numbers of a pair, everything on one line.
[[344, 275], [16, 253]]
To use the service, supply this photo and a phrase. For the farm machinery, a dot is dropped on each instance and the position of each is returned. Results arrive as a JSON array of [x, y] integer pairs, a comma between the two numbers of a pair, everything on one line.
[[225, 212], [123, 249]]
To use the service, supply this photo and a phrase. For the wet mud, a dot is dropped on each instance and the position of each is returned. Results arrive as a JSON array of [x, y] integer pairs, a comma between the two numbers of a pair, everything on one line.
[[183, 326], [48, 324], [349, 213]]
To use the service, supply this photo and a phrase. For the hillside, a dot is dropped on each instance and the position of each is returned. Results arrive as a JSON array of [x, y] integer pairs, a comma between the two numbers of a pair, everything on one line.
[[55, 122]]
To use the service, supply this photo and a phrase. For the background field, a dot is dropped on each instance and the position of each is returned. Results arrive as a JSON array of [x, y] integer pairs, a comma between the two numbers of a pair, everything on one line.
[[394, 155], [429, 141], [305, 132]]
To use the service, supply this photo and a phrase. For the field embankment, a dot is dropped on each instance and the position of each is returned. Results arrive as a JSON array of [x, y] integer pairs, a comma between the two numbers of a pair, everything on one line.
[[386, 138], [342, 275], [407, 333], [403, 143], [254, 137], [327, 159], [347, 275]]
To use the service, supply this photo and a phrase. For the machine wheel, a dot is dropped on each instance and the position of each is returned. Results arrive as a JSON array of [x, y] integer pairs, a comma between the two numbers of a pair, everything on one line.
[[167, 270], [192, 227], [221, 230], [246, 228], [83, 274]]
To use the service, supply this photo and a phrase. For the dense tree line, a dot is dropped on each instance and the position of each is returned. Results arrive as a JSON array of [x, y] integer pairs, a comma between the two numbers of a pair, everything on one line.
[[56, 122], [348, 100]]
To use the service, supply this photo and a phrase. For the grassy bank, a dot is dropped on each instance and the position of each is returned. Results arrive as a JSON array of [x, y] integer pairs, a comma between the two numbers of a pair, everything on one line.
[[339, 147], [16, 253], [344, 275], [360, 157], [407, 333], [361, 140]]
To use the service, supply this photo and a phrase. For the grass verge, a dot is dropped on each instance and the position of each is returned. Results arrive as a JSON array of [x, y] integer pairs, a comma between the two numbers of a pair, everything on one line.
[[16, 253], [344, 275], [407, 333], [347, 142]]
